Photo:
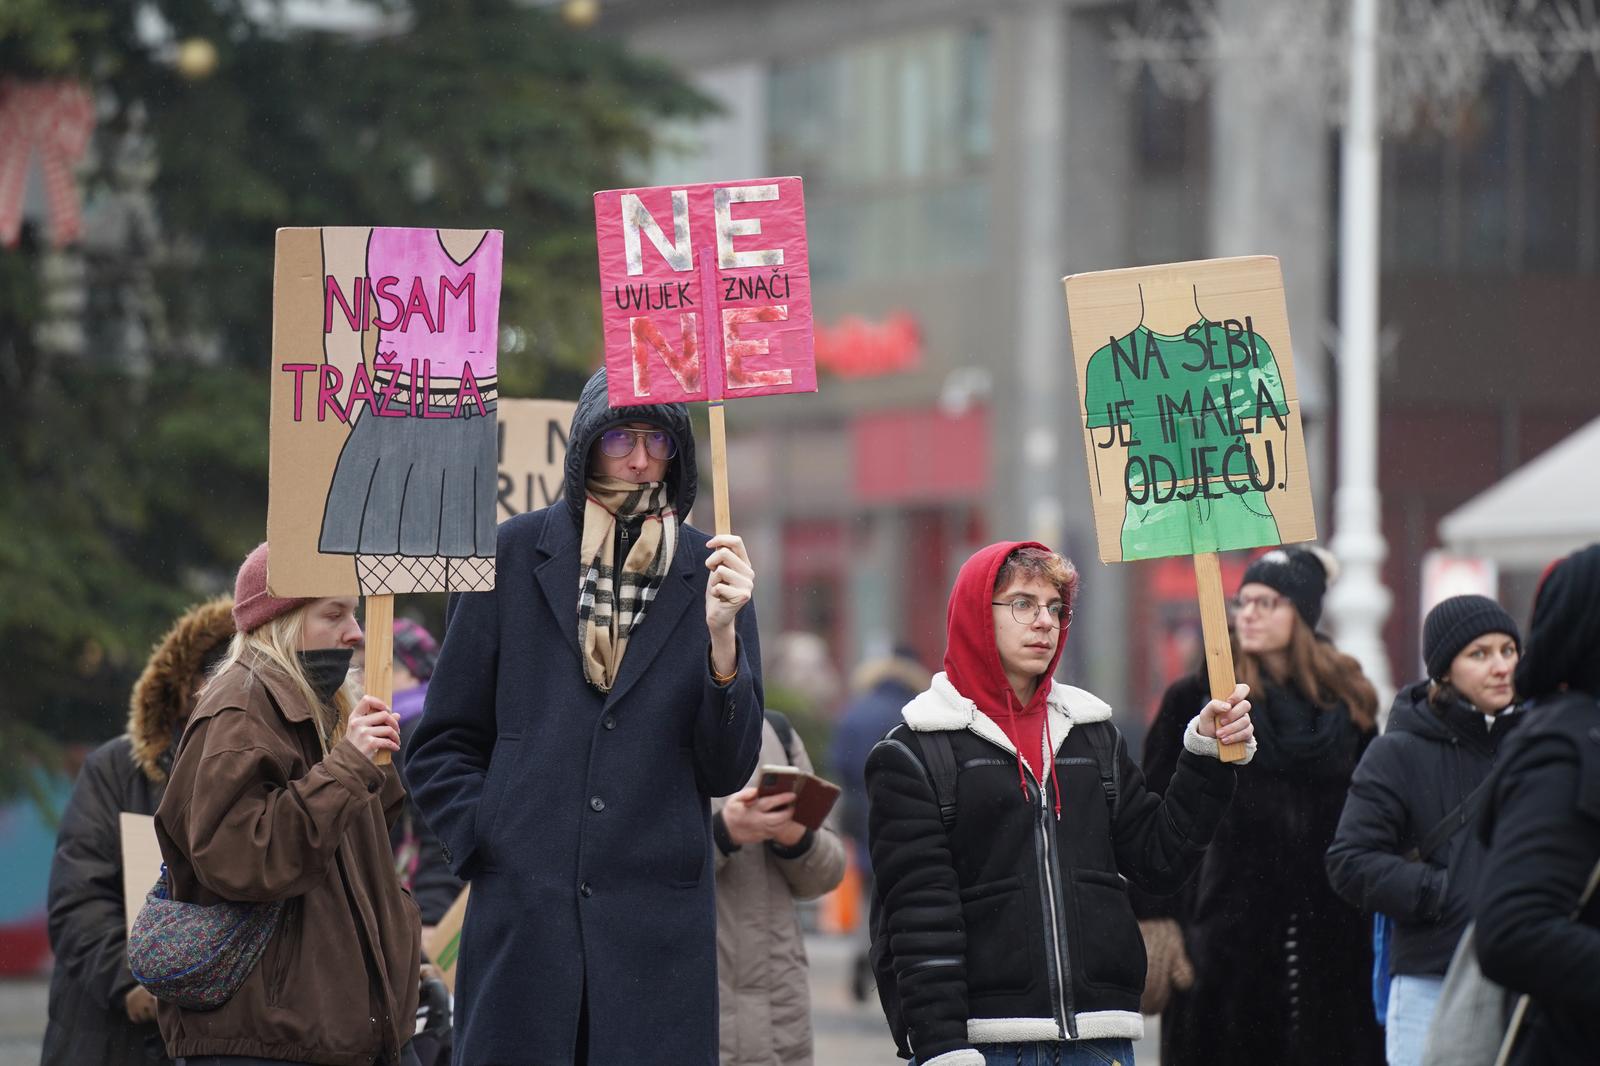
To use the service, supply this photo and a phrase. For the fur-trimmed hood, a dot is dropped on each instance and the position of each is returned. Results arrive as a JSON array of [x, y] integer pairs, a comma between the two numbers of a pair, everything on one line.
[[164, 693], [905, 672], [942, 707]]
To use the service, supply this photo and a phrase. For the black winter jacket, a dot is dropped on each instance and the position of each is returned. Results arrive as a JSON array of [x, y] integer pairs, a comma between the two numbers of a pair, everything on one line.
[[1422, 769], [581, 818], [1543, 827], [88, 1017], [88, 1020], [1282, 964], [1017, 926]]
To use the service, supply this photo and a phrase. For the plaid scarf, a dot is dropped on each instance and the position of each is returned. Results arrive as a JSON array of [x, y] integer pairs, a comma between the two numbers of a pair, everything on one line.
[[610, 608]]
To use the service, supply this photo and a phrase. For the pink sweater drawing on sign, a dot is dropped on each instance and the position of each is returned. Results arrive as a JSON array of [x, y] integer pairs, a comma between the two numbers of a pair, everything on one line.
[[431, 309]]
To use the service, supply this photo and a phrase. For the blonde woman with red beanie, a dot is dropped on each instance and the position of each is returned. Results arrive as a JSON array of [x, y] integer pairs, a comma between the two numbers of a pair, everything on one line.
[[276, 795]]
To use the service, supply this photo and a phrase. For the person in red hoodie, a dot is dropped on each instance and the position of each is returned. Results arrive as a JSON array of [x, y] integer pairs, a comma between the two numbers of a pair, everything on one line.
[[1004, 923]]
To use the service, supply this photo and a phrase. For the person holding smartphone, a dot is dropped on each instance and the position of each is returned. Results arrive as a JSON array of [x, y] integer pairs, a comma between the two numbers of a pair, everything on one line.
[[766, 860]]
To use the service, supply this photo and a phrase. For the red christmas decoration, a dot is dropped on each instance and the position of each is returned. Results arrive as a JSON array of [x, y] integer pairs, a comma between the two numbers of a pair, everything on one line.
[[52, 120]]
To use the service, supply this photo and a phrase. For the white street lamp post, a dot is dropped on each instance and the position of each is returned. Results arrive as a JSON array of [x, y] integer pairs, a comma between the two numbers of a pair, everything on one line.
[[1359, 602]]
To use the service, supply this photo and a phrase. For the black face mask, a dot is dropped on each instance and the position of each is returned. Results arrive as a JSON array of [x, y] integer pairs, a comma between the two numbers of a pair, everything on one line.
[[326, 669]]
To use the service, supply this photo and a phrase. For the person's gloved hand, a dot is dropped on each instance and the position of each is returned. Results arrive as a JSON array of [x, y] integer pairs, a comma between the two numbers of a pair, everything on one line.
[[433, 1004], [1169, 966]]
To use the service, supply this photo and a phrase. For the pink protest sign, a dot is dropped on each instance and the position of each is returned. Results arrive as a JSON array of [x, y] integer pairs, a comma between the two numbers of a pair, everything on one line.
[[705, 291]]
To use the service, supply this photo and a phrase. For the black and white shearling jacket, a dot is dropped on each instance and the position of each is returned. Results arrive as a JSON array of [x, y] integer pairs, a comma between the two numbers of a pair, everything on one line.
[[1015, 926]]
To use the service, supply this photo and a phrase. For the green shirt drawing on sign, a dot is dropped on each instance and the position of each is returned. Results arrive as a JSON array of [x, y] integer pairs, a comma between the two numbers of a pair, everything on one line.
[[1186, 409]]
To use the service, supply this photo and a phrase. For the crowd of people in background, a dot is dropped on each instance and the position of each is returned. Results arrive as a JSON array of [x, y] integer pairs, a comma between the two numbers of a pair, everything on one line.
[[583, 748]]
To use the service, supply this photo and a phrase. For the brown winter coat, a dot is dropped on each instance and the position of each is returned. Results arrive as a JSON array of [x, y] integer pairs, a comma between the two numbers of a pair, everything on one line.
[[255, 812], [762, 979]]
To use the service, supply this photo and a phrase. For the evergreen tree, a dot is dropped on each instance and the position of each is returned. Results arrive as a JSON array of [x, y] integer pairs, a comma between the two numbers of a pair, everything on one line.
[[134, 482]]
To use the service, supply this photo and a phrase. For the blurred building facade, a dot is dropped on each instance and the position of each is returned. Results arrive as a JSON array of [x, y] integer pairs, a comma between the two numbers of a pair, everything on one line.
[[960, 157]]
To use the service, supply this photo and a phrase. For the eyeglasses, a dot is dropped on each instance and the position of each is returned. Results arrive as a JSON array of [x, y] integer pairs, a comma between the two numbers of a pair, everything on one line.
[[1024, 610], [619, 443], [1265, 603]]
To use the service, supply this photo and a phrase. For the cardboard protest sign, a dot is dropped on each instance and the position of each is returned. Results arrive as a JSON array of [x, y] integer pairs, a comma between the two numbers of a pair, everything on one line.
[[721, 307], [383, 474], [533, 454], [443, 946], [141, 862], [1191, 418], [1191, 422]]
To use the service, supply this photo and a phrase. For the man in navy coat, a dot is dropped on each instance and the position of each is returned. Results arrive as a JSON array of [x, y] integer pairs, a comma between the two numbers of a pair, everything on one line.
[[579, 720]]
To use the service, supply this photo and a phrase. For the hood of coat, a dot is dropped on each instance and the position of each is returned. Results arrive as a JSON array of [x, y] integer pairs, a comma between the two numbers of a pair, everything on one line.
[[971, 659], [1563, 645], [1412, 713], [941, 706], [164, 694], [902, 673], [595, 415]]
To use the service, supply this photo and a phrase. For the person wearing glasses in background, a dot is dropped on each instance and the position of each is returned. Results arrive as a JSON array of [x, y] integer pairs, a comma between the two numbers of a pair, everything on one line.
[[579, 719], [1258, 960]]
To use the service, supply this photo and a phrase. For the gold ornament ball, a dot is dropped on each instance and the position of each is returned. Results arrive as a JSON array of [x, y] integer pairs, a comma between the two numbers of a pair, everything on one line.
[[580, 13], [197, 58]]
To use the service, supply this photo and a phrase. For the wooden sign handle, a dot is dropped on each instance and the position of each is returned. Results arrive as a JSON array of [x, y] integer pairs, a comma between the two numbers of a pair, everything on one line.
[[719, 469], [1214, 625], [379, 673]]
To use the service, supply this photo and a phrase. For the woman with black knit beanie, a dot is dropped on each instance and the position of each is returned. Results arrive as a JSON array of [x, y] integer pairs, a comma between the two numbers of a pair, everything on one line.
[[1406, 846], [1258, 960], [1542, 823]]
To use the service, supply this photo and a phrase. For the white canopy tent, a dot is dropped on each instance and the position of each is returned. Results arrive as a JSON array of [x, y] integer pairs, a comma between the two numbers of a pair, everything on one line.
[[1541, 511]]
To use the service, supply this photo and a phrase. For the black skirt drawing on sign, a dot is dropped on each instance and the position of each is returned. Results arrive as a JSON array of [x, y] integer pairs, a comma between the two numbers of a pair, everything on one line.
[[415, 486]]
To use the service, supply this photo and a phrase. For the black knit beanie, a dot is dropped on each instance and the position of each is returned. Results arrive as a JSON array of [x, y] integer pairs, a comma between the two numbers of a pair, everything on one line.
[[1298, 573], [1457, 622]]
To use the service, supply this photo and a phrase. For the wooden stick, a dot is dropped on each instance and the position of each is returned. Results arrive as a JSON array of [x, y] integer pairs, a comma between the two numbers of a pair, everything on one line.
[[719, 469], [1214, 624], [379, 674]]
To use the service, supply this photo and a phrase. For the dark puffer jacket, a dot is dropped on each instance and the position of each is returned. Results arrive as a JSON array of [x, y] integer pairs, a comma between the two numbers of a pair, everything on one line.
[[1423, 768], [1543, 824], [1544, 821], [1016, 926], [88, 1019]]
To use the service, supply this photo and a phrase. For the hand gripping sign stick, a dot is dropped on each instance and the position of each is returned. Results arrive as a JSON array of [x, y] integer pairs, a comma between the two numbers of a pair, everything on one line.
[[1191, 422], [705, 293], [384, 392]]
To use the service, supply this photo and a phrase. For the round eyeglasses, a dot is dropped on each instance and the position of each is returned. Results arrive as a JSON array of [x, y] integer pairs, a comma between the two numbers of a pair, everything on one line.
[[1025, 610], [1265, 604], [619, 443]]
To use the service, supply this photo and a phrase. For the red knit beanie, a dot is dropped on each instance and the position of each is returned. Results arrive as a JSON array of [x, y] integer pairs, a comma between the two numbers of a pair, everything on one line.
[[253, 605]]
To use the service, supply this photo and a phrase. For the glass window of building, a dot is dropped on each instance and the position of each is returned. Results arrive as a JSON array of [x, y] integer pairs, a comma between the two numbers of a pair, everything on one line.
[[893, 137]]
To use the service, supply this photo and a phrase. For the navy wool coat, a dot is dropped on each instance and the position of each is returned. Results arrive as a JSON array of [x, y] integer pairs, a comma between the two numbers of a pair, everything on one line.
[[581, 818]]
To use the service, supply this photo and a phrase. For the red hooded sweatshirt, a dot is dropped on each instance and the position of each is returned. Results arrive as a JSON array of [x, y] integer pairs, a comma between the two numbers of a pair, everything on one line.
[[972, 661]]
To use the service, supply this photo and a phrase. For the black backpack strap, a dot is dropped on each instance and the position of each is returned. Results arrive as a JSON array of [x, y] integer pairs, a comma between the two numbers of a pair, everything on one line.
[[1103, 737], [1463, 813], [785, 730], [940, 758]]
